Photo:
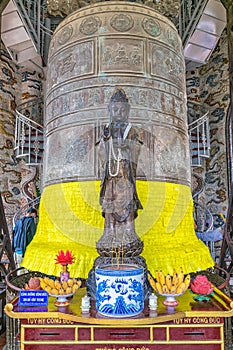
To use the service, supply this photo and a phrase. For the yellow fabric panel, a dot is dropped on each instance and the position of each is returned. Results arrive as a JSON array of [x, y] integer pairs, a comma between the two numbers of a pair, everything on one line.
[[70, 218]]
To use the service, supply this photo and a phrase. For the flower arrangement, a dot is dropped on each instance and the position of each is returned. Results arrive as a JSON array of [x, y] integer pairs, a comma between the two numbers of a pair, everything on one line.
[[202, 287], [64, 259]]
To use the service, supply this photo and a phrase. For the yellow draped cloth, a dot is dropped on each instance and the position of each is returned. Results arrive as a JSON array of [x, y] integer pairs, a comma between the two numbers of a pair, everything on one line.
[[70, 219]]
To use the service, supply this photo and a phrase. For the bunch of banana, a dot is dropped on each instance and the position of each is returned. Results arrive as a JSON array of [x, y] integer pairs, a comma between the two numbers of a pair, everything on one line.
[[177, 283], [55, 287]]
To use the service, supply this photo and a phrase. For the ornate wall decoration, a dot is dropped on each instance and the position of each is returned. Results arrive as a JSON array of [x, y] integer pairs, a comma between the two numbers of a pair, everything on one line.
[[32, 80], [197, 184], [17, 180], [10, 171], [208, 85], [9, 87], [10, 175], [28, 183], [122, 22]]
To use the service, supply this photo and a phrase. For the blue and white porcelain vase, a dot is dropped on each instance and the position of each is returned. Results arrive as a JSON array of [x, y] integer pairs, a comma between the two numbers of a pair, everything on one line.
[[119, 290]]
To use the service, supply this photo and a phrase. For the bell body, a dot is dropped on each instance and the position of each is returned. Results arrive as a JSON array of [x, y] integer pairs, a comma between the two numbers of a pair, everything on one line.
[[93, 51]]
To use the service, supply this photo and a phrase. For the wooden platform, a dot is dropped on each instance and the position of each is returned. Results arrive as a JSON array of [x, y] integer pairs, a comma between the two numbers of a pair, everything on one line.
[[190, 325]]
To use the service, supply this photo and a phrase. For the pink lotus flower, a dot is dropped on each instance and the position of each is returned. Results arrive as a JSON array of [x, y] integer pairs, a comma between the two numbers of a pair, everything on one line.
[[201, 285]]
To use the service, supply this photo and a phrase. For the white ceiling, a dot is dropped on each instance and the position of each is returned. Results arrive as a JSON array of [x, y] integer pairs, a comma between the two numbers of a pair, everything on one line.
[[204, 38], [15, 36]]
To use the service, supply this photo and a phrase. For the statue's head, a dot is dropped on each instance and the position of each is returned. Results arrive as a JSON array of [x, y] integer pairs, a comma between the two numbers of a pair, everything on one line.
[[119, 107]]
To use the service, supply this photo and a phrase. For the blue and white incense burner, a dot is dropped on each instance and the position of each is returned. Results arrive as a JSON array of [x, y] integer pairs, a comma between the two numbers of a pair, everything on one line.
[[119, 290]]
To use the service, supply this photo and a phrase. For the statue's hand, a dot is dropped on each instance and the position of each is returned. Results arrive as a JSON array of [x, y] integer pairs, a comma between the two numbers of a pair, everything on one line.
[[107, 132]]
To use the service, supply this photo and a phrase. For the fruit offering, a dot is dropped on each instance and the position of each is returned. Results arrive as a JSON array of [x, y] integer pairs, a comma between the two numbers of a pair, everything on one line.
[[33, 284], [177, 283], [55, 287]]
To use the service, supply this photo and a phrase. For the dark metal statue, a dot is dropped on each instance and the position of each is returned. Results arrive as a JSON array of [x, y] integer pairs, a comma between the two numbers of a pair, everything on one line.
[[119, 151]]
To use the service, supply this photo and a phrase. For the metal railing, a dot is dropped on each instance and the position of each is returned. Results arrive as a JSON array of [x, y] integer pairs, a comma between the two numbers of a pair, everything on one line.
[[199, 133], [29, 139]]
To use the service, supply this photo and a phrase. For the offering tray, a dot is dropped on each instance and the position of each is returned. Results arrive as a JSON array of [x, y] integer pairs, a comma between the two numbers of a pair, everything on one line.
[[170, 299], [62, 300]]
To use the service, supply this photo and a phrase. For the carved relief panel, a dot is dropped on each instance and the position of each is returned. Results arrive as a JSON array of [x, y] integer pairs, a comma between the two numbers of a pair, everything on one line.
[[121, 54], [71, 154], [74, 61]]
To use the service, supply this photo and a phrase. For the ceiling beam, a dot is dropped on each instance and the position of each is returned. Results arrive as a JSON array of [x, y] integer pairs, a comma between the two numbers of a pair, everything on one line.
[[3, 4]]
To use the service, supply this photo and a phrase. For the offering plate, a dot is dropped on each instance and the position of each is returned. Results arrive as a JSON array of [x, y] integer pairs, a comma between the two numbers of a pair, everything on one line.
[[62, 300], [170, 299]]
